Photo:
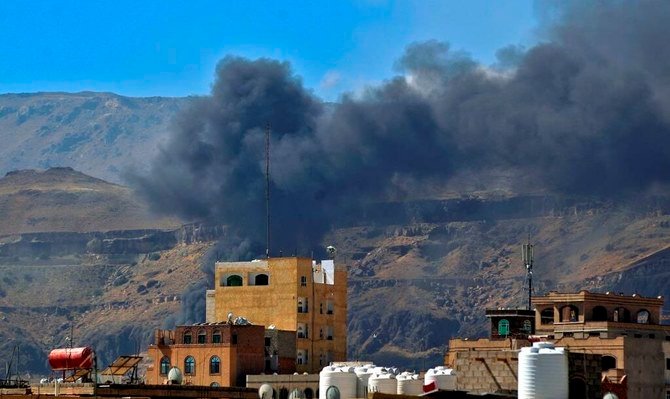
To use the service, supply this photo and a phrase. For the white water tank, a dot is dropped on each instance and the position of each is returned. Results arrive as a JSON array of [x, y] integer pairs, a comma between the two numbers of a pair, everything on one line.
[[409, 384], [443, 377], [543, 372], [341, 377], [175, 376], [362, 376], [383, 383]]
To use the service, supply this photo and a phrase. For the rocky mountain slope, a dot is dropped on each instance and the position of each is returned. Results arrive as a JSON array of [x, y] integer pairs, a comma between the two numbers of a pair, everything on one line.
[[80, 253], [420, 272], [100, 134]]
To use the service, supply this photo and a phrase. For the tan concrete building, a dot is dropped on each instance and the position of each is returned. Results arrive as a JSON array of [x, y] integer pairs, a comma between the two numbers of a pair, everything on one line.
[[219, 354], [622, 334], [293, 293]]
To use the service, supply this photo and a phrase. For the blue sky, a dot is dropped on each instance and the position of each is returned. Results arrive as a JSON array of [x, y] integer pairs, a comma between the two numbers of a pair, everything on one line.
[[170, 48]]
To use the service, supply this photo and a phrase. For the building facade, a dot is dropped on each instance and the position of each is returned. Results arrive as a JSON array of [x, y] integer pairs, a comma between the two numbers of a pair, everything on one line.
[[219, 354], [294, 294], [622, 334]]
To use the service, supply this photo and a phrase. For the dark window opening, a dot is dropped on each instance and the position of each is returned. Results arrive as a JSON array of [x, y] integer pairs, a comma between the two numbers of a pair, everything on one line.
[[214, 365], [202, 337], [262, 279], [547, 316], [189, 365], [599, 314], [188, 338], [233, 339], [234, 281], [607, 362], [621, 315], [216, 337], [165, 365]]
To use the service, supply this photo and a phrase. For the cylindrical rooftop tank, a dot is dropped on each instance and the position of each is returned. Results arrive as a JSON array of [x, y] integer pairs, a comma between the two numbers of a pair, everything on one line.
[[341, 377], [409, 384], [71, 358], [444, 378], [265, 391], [362, 376], [543, 372], [383, 383], [175, 376]]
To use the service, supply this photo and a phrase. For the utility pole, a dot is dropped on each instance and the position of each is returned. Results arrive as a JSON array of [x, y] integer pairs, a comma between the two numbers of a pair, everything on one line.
[[527, 258]]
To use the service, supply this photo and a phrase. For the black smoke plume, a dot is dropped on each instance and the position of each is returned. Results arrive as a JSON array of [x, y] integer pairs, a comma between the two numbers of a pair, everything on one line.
[[585, 111]]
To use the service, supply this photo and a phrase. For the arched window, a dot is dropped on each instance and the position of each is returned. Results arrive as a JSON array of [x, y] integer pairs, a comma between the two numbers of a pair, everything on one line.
[[599, 314], [643, 317], [165, 365], [214, 365], [503, 327], [234, 281], [332, 393], [202, 337], [261, 279], [188, 338], [569, 313], [622, 315], [296, 394], [607, 362], [189, 365], [309, 394], [214, 385], [216, 337], [547, 316]]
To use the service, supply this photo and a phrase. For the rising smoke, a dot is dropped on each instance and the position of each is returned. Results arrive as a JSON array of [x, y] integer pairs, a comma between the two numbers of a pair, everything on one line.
[[586, 111]]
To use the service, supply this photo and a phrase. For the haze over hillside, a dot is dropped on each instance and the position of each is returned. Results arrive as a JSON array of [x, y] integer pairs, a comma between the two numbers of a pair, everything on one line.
[[101, 134]]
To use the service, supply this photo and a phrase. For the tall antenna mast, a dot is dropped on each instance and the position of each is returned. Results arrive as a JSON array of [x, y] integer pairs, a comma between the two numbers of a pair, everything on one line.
[[527, 258], [267, 189]]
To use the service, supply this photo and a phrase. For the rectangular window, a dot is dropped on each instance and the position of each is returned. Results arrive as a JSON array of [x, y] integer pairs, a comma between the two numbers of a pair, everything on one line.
[[268, 341], [303, 281], [188, 338], [667, 363], [233, 339], [216, 338]]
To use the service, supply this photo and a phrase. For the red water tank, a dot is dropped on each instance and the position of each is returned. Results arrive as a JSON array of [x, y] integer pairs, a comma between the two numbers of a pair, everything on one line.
[[71, 358]]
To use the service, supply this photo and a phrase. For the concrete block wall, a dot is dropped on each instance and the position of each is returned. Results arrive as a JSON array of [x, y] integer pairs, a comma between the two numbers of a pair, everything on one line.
[[482, 371]]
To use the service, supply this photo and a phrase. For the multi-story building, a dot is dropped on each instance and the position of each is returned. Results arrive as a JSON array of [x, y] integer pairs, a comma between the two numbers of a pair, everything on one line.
[[219, 354], [293, 293], [621, 334]]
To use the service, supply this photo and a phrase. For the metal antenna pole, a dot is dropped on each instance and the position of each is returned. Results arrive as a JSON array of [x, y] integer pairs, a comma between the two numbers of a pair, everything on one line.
[[267, 189], [527, 258]]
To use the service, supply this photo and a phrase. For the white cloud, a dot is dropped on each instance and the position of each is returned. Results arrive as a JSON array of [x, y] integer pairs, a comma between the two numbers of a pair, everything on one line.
[[330, 80]]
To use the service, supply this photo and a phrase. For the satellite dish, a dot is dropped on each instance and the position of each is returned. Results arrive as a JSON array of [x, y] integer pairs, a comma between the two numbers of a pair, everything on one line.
[[175, 376], [332, 393], [230, 318], [331, 250], [265, 391]]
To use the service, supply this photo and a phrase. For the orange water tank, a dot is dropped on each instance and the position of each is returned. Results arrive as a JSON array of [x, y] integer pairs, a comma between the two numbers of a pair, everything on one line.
[[71, 358]]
